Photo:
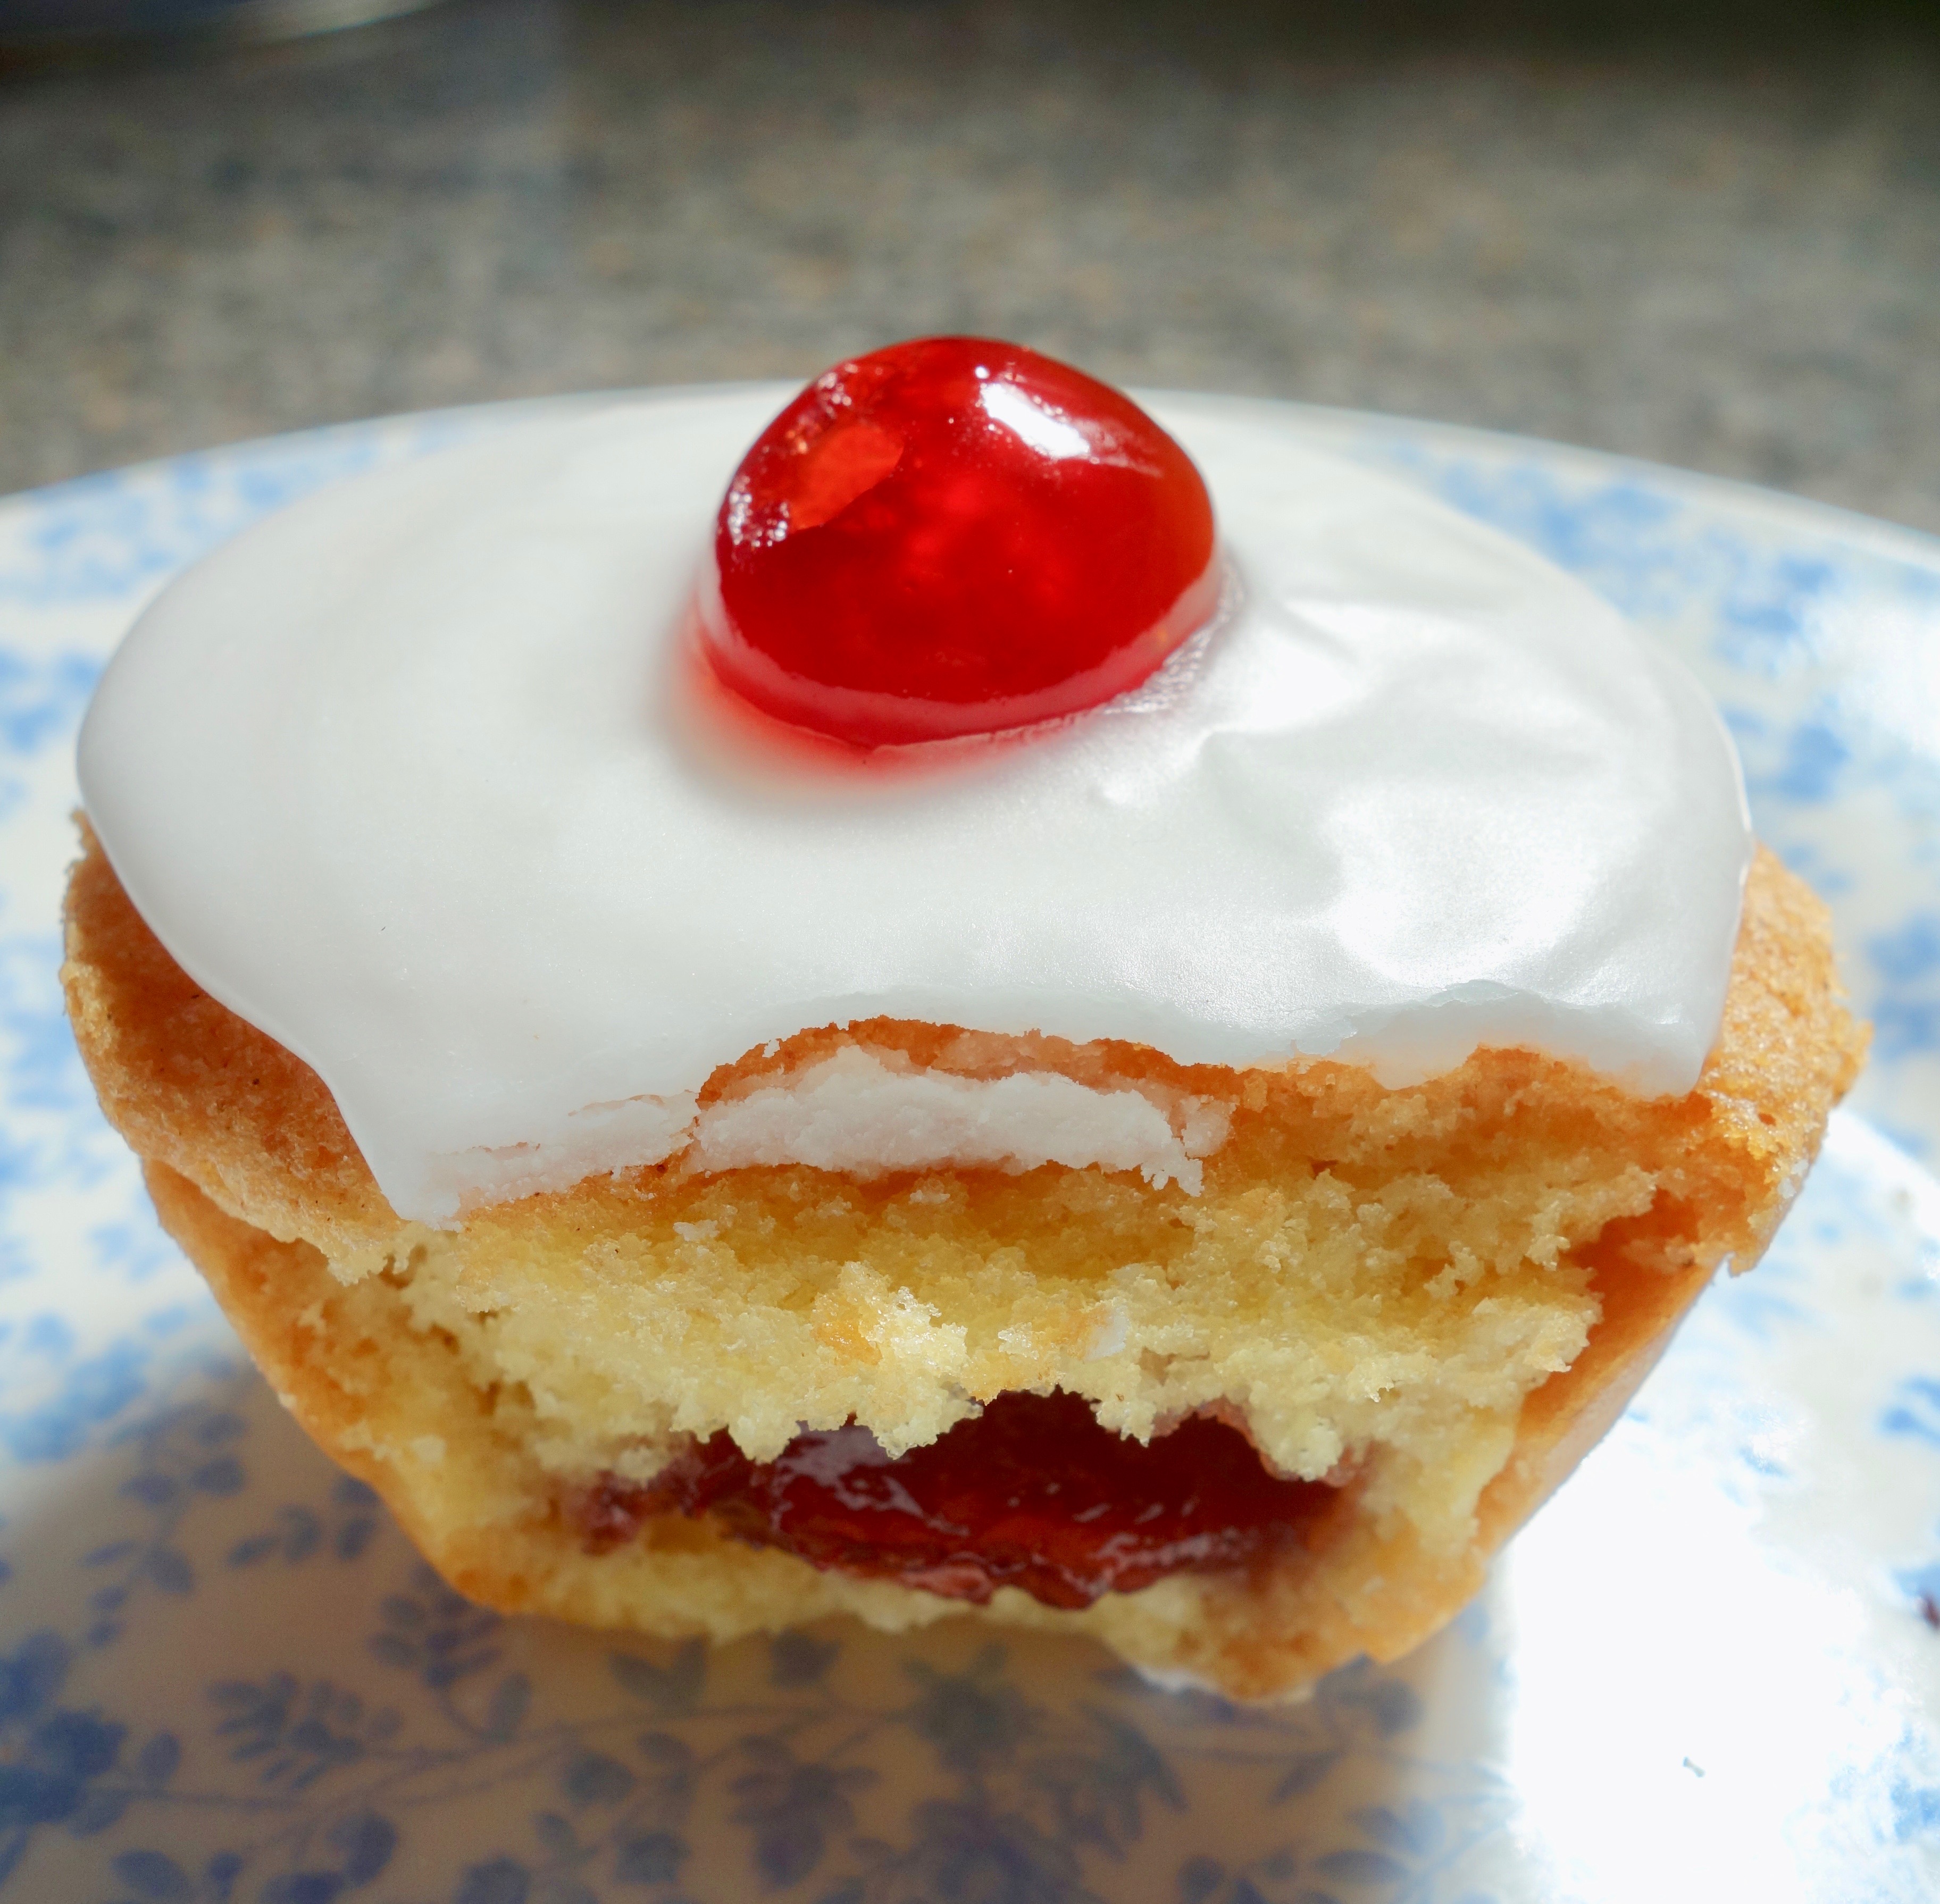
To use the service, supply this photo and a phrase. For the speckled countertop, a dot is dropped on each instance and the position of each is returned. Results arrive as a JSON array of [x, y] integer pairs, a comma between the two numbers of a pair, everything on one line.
[[1720, 251]]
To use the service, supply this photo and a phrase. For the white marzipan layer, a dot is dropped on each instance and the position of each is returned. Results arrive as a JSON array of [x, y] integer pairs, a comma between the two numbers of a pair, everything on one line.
[[852, 1113], [866, 1114]]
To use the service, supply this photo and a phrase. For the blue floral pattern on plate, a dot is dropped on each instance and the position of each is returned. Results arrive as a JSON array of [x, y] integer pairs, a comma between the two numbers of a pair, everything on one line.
[[1710, 1669]]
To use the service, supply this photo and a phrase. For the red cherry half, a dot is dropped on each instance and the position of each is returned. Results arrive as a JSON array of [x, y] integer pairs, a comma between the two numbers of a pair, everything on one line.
[[955, 536]]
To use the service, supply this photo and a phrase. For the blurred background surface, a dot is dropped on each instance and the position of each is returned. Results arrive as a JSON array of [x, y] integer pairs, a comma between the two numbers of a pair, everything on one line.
[[1714, 242]]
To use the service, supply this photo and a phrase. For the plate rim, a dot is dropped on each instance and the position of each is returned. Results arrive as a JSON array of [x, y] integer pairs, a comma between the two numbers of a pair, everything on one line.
[[1876, 534]]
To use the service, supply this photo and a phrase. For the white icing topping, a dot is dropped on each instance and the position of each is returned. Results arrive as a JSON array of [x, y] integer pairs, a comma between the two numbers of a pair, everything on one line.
[[411, 776]]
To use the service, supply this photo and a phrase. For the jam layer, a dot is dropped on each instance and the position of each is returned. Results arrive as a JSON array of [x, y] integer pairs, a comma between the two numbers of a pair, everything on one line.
[[1032, 1494]]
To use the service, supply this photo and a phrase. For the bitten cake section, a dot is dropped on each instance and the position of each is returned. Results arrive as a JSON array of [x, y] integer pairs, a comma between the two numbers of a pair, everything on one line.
[[1412, 1307]]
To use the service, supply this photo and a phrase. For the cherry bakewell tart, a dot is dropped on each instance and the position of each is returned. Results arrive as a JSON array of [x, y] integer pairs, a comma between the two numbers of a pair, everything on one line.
[[1125, 1029]]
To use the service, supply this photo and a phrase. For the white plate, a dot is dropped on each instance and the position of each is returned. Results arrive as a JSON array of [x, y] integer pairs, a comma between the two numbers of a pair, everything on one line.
[[1709, 1671]]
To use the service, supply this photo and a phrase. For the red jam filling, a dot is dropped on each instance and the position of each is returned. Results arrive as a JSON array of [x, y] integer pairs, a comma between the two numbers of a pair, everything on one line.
[[1032, 1494], [955, 536]]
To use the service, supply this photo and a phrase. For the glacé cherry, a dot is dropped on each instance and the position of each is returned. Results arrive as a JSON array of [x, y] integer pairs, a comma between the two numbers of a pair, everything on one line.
[[955, 536]]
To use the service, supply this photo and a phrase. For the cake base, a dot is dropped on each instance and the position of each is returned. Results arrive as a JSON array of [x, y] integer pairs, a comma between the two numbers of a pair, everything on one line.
[[376, 1396], [441, 1367]]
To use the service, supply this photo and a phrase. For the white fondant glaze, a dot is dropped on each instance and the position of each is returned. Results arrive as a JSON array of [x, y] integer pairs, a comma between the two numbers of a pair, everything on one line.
[[412, 776]]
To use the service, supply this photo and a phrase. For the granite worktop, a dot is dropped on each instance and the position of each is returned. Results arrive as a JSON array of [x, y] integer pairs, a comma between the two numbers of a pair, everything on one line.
[[1718, 248]]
